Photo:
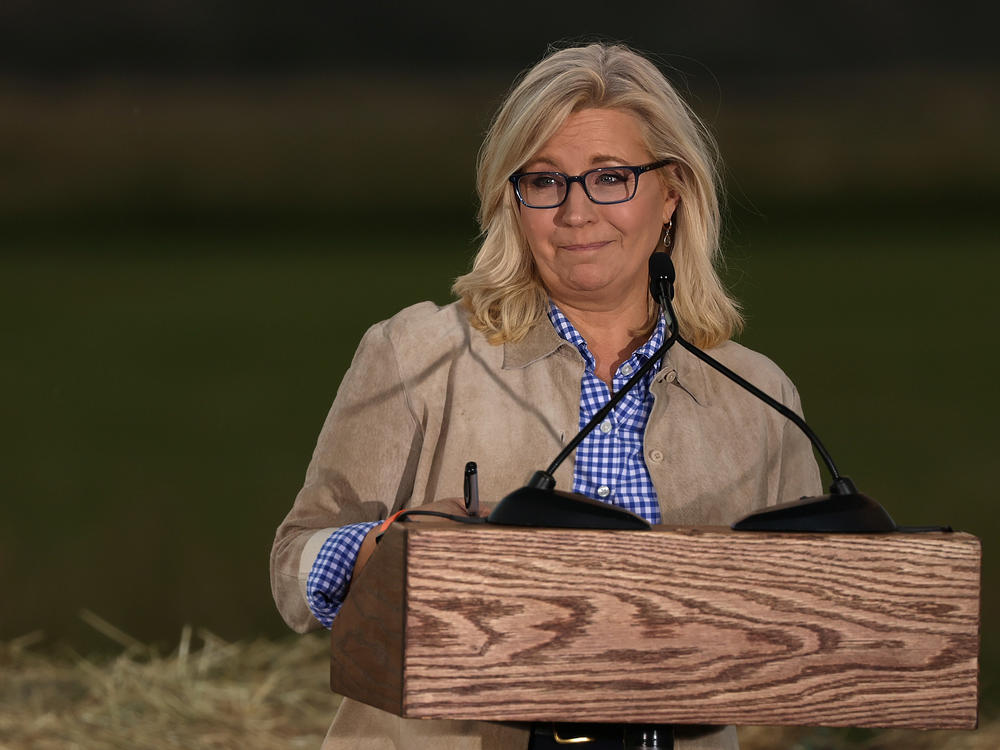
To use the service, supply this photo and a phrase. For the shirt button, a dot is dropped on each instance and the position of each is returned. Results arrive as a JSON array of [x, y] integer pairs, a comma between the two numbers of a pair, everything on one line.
[[655, 456], [603, 491], [606, 426], [626, 369]]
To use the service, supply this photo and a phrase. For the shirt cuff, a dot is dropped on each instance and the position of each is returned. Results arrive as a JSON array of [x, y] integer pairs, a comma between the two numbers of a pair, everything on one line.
[[330, 575]]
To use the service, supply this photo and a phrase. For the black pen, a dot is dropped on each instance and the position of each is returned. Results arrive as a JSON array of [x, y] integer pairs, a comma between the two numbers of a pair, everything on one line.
[[471, 489]]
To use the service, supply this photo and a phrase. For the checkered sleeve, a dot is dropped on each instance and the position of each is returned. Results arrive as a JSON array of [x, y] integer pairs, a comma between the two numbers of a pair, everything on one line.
[[330, 575]]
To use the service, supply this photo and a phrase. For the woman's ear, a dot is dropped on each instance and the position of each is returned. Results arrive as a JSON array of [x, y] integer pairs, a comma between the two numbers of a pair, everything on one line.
[[670, 205], [672, 183]]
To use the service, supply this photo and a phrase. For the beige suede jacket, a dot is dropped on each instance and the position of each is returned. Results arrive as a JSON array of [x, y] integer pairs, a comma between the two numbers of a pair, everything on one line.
[[426, 393]]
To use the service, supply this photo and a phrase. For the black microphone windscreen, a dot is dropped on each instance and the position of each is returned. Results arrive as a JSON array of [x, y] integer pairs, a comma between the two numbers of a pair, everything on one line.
[[661, 267]]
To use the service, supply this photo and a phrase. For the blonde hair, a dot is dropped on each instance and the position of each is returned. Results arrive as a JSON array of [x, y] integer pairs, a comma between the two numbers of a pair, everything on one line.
[[503, 291]]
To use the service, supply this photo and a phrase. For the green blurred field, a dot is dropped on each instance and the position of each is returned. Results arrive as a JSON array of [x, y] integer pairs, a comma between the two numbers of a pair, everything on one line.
[[187, 271], [163, 401]]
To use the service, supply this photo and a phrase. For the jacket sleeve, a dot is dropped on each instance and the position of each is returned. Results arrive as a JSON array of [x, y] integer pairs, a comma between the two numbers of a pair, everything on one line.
[[362, 468]]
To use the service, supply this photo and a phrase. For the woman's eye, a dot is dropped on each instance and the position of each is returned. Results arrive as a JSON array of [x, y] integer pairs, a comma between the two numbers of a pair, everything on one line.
[[612, 177], [542, 181]]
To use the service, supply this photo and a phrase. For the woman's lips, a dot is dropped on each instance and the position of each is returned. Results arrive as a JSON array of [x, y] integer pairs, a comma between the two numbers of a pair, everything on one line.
[[585, 246]]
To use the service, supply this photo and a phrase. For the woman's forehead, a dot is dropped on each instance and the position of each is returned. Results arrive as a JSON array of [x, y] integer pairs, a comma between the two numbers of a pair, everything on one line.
[[593, 138]]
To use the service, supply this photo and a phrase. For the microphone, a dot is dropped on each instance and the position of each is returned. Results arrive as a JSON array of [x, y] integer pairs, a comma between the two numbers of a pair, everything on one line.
[[661, 285], [538, 503], [843, 510]]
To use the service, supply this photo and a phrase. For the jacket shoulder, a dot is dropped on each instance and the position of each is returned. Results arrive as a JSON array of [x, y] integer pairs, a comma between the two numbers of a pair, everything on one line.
[[427, 330], [734, 355], [425, 319], [422, 337], [759, 369]]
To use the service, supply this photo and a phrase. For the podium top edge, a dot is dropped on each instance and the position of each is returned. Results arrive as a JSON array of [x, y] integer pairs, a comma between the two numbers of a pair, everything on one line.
[[436, 526]]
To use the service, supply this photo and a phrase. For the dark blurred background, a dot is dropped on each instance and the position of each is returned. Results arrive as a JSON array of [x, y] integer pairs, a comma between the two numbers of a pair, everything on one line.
[[204, 205]]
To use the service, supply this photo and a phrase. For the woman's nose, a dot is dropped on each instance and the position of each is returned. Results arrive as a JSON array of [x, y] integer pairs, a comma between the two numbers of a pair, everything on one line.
[[577, 208]]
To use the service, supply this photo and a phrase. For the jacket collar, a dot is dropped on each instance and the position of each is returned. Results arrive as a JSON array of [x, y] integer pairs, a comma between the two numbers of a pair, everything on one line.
[[686, 371], [540, 341], [680, 367]]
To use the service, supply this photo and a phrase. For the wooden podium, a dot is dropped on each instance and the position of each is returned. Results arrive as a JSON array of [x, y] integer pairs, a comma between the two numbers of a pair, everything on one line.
[[670, 626]]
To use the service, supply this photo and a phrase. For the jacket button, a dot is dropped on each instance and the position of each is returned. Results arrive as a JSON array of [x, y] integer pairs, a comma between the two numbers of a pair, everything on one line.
[[671, 376], [656, 456]]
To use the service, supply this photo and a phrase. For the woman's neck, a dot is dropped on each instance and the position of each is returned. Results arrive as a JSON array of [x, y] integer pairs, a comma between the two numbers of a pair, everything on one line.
[[610, 332]]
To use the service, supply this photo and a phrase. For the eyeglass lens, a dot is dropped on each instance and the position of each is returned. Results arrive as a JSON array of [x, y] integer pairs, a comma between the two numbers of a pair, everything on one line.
[[604, 185]]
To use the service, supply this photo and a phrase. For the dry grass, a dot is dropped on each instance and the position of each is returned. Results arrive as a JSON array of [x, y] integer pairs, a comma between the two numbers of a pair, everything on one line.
[[207, 694], [213, 695]]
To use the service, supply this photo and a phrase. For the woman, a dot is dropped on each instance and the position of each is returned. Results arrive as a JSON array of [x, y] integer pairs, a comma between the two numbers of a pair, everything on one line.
[[592, 163]]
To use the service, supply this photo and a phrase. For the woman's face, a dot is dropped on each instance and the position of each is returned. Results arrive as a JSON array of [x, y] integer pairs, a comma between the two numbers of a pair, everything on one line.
[[590, 256]]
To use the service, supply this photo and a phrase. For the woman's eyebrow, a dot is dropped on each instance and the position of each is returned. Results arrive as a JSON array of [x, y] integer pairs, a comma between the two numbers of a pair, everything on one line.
[[540, 161], [599, 158], [549, 164]]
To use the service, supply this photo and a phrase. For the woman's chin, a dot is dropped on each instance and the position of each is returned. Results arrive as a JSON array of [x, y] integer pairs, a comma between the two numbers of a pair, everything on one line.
[[592, 291]]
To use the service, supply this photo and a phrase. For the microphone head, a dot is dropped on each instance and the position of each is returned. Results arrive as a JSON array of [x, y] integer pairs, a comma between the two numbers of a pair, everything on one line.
[[661, 276], [661, 267]]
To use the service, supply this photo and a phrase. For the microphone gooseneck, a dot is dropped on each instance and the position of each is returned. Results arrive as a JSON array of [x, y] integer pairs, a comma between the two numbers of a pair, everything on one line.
[[607, 408], [661, 286], [540, 504], [844, 509], [660, 283]]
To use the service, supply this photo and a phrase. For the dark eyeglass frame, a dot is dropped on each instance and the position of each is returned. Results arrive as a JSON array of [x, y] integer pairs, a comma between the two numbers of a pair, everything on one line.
[[581, 178]]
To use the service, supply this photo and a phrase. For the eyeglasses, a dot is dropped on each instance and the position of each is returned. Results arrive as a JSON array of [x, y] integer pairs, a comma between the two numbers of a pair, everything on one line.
[[604, 186]]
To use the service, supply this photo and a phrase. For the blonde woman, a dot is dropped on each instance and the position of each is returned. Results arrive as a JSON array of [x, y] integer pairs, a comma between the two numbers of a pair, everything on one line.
[[592, 164]]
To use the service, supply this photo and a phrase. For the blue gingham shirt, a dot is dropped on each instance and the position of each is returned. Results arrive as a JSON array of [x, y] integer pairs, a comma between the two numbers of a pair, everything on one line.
[[609, 465], [609, 462]]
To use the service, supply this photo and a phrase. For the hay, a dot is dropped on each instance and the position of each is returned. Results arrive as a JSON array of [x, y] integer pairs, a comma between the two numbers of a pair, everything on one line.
[[209, 694]]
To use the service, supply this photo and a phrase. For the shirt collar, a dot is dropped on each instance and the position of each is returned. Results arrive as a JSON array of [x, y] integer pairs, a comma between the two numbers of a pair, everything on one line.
[[568, 332], [679, 366]]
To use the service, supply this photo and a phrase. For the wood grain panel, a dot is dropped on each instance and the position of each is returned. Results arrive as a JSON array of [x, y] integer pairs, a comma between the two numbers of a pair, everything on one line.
[[692, 626], [366, 640]]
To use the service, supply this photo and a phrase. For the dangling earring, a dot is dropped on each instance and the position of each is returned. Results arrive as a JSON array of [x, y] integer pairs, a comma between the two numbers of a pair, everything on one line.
[[667, 238]]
